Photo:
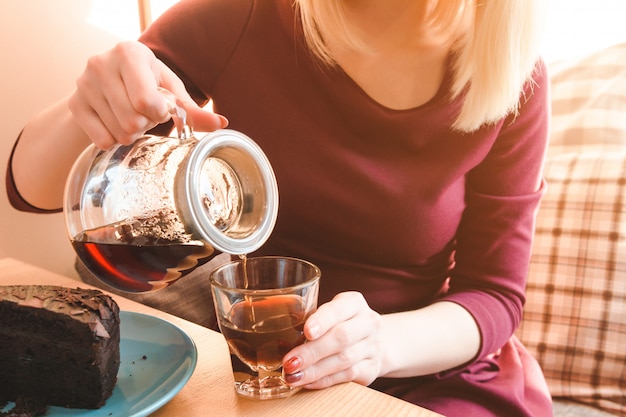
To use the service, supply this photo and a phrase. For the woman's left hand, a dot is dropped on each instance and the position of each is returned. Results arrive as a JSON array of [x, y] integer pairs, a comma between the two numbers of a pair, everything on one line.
[[344, 343]]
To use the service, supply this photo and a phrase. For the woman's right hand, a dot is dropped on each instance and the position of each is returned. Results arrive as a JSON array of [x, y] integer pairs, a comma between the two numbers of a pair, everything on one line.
[[117, 98]]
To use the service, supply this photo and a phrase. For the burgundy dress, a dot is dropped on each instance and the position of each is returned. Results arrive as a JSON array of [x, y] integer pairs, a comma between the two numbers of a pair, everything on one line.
[[391, 203]]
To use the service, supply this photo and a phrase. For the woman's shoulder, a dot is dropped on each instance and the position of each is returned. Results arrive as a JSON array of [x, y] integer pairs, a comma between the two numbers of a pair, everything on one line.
[[195, 22], [200, 17], [197, 38]]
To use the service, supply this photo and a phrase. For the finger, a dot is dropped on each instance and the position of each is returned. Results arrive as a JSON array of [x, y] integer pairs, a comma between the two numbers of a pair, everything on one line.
[[101, 92], [361, 373], [122, 119], [146, 100], [343, 346], [197, 117], [142, 91], [343, 307], [91, 123], [346, 365], [136, 101], [338, 342], [205, 121]]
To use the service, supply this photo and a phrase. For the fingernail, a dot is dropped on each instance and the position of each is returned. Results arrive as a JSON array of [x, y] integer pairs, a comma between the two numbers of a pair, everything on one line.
[[223, 121], [293, 378], [292, 364]]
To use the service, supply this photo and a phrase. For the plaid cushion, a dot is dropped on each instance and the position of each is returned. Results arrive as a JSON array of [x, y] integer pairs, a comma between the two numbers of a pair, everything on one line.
[[575, 315], [589, 102]]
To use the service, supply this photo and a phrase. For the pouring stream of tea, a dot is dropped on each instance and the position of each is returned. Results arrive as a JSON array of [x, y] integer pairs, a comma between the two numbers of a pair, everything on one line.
[[246, 285]]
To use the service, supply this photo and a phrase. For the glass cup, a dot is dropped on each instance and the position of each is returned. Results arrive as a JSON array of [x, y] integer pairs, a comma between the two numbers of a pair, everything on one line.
[[262, 304]]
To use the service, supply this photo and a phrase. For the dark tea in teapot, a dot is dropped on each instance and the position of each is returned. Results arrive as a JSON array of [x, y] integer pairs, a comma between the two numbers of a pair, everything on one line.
[[128, 258]]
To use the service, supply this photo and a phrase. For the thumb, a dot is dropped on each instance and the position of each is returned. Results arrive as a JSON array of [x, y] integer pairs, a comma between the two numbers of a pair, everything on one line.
[[197, 117], [203, 120], [190, 114]]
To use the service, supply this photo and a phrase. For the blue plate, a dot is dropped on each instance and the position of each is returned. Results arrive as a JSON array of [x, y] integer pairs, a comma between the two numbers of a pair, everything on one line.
[[157, 360]]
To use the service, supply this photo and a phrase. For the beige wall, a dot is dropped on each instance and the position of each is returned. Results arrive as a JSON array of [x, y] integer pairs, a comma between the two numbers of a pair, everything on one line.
[[44, 45]]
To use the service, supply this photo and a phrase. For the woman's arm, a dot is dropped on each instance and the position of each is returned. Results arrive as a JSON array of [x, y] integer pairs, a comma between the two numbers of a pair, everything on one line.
[[438, 337], [347, 341], [44, 154], [116, 101]]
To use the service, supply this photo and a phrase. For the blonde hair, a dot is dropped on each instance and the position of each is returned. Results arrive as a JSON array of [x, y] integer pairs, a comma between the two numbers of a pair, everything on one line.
[[495, 43]]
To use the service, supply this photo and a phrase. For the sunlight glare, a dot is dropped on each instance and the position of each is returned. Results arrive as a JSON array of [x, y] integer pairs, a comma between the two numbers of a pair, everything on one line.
[[117, 17]]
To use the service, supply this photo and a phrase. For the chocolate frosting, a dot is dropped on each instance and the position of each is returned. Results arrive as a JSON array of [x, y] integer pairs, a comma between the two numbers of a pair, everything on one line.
[[86, 305]]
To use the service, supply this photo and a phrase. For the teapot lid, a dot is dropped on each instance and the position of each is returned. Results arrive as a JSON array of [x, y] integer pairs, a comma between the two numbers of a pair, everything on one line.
[[230, 192]]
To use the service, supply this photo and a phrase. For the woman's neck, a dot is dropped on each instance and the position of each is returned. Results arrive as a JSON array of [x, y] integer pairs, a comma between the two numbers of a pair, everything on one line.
[[387, 24], [399, 67]]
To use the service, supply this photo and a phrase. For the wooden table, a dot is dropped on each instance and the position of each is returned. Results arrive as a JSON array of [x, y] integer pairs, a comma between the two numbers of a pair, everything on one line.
[[210, 391]]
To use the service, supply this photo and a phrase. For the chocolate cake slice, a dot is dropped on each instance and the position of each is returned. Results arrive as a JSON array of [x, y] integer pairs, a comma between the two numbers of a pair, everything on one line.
[[58, 345]]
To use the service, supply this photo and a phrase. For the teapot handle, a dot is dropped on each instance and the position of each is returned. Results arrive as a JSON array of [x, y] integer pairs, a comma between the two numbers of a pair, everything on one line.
[[179, 115]]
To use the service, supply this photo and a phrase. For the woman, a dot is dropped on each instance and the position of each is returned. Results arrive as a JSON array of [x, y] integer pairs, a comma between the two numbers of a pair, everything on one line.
[[407, 139]]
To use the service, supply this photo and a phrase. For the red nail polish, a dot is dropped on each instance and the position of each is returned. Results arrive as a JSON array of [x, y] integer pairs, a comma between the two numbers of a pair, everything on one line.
[[292, 364], [293, 378]]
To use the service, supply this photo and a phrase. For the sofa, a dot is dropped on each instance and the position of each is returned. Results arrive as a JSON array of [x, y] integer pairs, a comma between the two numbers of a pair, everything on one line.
[[575, 314]]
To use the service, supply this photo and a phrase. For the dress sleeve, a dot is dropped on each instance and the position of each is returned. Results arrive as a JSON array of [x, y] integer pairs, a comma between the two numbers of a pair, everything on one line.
[[196, 39], [495, 235], [15, 198]]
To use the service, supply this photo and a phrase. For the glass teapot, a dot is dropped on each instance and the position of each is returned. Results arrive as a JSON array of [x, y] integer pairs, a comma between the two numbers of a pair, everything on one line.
[[141, 216]]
